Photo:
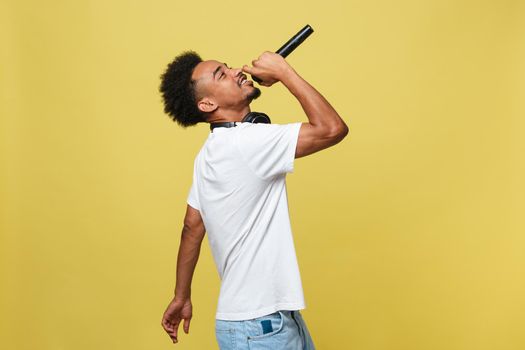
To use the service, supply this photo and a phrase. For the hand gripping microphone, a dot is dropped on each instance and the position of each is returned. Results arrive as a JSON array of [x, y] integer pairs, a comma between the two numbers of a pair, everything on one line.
[[285, 50], [291, 44]]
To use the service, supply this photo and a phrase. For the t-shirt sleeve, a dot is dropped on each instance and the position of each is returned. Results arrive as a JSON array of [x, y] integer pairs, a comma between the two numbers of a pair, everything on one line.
[[269, 149], [193, 199]]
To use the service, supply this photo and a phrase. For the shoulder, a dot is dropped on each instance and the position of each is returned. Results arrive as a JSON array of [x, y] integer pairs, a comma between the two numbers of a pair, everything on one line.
[[262, 128]]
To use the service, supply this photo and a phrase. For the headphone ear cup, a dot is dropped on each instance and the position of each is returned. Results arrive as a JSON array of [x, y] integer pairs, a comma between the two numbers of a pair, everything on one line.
[[257, 117]]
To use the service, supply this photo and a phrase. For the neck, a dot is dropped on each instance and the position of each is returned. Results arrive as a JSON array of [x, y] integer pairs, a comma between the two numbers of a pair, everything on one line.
[[228, 115]]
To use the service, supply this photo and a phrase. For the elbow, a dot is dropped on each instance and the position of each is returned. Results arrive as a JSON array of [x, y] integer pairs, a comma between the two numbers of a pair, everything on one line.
[[345, 130], [193, 235], [340, 132]]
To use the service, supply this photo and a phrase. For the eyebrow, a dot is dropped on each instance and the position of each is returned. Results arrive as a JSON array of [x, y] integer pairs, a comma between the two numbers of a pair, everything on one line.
[[217, 69]]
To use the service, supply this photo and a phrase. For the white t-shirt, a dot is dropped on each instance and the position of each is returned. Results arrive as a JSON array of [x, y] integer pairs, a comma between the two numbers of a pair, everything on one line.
[[240, 190]]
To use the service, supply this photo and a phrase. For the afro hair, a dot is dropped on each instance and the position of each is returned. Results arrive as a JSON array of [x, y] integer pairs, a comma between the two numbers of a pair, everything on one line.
[[178, 90]]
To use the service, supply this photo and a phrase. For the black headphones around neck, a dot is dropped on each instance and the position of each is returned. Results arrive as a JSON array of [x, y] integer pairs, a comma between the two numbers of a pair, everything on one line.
[[251, 117]]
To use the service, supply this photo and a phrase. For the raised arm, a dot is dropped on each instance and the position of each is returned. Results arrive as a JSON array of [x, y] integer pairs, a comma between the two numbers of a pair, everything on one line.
[[325, 127]]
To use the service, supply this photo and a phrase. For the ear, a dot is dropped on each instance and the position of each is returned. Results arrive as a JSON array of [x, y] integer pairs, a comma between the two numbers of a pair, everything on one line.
[[207, 105]]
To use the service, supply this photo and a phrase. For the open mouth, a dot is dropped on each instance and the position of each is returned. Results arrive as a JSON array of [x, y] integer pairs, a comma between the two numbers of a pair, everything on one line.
[[243, 80]]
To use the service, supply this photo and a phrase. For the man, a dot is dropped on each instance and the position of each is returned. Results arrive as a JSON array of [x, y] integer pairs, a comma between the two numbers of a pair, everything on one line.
[[238, 196]]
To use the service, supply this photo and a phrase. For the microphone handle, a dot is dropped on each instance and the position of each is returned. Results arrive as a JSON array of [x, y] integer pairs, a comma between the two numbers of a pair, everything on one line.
[[291, 44]]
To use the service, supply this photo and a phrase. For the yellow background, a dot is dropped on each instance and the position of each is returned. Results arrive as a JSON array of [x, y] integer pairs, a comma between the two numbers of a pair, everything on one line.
[[409, 233]]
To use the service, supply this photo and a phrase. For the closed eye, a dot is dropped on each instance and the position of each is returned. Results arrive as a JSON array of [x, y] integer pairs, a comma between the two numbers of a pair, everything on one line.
[[222, 71]]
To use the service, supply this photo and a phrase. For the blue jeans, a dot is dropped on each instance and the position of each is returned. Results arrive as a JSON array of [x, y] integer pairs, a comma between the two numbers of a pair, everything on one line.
[[281, 330]]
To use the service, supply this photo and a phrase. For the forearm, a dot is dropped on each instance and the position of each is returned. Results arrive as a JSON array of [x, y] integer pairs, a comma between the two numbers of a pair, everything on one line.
[[318, 110], [189, 250]]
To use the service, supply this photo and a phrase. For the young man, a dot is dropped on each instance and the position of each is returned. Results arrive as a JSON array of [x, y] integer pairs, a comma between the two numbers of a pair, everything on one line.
[[238, 196]]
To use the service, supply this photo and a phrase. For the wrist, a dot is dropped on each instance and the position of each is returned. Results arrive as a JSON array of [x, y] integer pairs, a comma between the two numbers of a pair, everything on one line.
[[182, 295], [287, 75]]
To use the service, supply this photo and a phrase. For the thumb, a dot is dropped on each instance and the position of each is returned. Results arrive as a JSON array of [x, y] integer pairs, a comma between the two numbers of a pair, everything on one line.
[[247, 69], [186, 325]]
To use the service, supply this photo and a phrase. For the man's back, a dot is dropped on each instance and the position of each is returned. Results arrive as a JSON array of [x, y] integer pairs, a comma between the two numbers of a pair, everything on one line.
[[239, 188]]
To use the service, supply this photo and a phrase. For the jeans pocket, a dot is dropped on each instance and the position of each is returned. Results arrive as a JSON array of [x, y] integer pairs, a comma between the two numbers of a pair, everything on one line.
[[225, 338], [225, 334], [265, 329]]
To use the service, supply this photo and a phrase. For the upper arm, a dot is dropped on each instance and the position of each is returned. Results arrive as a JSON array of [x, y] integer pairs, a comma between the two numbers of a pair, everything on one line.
[[193, 223], [313, 138]]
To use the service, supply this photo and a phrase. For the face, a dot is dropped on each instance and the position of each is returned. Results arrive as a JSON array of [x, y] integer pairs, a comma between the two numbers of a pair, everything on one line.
[[220, 86]]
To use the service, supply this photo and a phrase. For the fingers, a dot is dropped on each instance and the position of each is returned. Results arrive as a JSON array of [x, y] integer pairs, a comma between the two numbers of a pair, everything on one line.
[[166, 325], [187, 325], [247, 69], [266, 53], [263, 58], [175, 331], [171, 328], [252, 70], [255, 64]]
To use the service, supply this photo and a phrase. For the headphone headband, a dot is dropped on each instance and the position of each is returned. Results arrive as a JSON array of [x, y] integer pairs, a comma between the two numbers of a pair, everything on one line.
[[251, 117]]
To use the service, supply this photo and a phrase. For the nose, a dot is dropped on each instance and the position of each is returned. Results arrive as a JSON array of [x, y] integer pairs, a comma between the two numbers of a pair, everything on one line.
[[236, 71]]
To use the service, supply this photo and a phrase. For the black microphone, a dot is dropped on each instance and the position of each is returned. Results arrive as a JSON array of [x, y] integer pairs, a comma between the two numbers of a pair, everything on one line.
[[291, 44]]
